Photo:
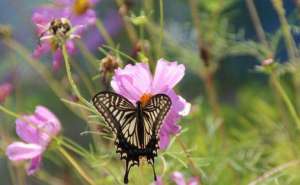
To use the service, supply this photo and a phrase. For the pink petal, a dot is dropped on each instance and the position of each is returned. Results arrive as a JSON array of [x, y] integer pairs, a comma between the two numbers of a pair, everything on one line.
[[39, 128], [178, 178], [132, 81], [41, 49], [159, 181], [167, 75], [46, 115], [22, 151], [5, 91], [70, 45], [27, 129], [187, 107], [34, 165], [164, 140], [57, 60], [193, 181]]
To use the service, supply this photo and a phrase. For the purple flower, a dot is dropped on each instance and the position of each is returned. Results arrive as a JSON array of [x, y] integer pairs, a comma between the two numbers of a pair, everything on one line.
[[78, 12], [136, 83], [5, 90], [178, 178], [158, 181], [36, 131]]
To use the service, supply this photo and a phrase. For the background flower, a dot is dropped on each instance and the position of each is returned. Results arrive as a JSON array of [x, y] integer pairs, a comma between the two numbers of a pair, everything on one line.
[[136, 82], [5, 91], [42, 16], [178, 178], [36, 131]]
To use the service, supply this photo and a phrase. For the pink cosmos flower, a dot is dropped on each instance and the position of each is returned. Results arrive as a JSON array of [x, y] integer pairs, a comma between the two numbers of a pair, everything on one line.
[[78, 12], [36, 131], [178, 178], [5, 90], [136, 83]]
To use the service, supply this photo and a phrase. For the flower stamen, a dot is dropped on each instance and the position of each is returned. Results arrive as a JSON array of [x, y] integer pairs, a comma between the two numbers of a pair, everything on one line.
[[81, 6]]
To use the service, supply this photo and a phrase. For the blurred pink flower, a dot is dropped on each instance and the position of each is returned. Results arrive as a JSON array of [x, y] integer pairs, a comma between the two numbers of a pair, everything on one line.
[[136, 83], [178, 178], [80, 14], [267, 61], [5, 90], [36, 131], [158, 181]]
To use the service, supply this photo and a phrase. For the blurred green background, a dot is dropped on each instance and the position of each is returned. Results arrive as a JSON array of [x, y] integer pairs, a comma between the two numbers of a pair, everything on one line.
[[257, 134]]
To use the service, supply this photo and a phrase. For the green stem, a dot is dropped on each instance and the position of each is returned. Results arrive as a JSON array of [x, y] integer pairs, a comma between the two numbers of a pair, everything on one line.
[[129, 27], [69, 75], [195, 171], [256, 22], [9, 112], [77, 167], [288, 38], [161, 22], [286, 99]]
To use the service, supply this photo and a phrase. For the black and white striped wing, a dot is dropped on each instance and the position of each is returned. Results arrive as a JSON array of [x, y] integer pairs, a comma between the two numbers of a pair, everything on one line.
[[117, 111], [154, 113]]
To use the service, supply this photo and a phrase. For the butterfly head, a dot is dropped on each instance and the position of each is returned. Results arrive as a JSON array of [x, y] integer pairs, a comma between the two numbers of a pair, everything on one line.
[[145, 99]]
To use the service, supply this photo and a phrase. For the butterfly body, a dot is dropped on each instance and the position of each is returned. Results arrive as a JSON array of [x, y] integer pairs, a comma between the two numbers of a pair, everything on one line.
[[136, 126]]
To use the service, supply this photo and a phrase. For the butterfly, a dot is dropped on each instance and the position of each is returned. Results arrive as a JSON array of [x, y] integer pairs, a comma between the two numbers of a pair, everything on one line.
[[136, 127]]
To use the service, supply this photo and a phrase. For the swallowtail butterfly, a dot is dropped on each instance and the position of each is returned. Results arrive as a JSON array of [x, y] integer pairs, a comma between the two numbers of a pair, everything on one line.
[[136, 127]]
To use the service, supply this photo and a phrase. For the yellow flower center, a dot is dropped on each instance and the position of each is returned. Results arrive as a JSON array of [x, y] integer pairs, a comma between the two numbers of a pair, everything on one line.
[[145, 98], [81, 6]]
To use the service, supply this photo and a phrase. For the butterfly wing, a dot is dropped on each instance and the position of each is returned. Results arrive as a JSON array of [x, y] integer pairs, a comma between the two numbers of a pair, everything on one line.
[[121, 116], [154, 113], [116, 110]]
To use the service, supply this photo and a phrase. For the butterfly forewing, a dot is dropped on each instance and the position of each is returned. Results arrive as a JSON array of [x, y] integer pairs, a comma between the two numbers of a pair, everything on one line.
[[154, 113], [116, 110]]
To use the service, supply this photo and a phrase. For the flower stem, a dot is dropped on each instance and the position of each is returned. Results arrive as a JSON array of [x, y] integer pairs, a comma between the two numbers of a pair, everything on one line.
[[291, 47], [286, 100], [161, 22], [69, 75], [8, 112], [273, 171], [195, 171], [256, 22], [123, 9], [76, 166]]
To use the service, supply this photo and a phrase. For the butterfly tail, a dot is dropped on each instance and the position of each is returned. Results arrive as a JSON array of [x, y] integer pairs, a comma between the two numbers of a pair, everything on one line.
[[128, 166], [151, 162]]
